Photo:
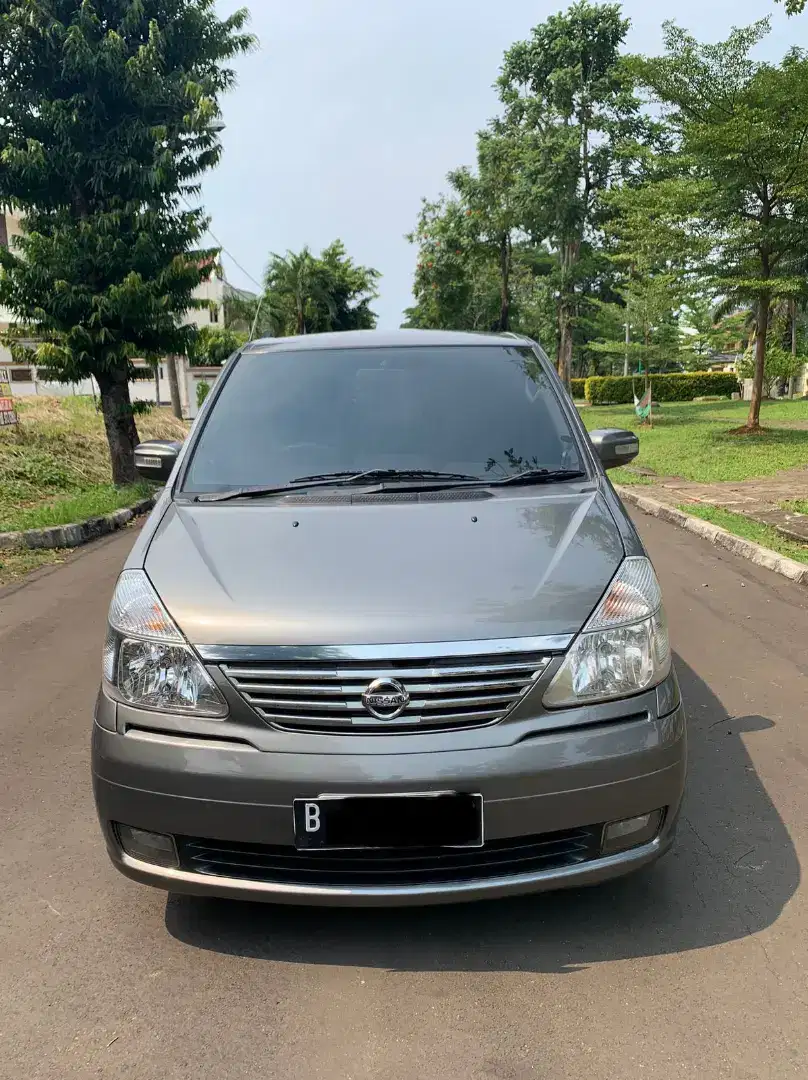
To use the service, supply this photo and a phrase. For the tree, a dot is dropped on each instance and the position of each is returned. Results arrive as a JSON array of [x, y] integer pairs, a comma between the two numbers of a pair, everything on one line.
[[794, 7], [492, 205], [781, 366], [650, 317], [741, 158], [292, 282], [459, 275], [107, 119], [213, 345], [570, 98], [350, 289], [308, 294]]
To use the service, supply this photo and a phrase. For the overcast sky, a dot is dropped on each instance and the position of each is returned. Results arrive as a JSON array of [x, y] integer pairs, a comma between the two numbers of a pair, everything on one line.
[[352, 110]]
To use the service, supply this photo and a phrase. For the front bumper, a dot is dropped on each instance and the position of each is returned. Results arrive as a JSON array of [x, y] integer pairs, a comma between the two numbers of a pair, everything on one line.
[[555, 781]]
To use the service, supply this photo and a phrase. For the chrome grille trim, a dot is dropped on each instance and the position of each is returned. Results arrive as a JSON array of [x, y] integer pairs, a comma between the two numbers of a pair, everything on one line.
[[448, 693], [265, 654]]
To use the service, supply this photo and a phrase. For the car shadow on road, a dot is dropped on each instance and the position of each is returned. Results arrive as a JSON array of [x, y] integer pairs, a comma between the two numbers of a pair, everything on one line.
[[731, 873]]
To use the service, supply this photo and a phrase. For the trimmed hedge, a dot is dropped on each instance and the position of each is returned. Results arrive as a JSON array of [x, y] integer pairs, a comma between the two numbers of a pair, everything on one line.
[[578, 389], [678, 386]]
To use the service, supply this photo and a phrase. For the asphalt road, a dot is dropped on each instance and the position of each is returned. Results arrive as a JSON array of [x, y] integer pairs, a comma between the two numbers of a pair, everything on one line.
[[697, 969]]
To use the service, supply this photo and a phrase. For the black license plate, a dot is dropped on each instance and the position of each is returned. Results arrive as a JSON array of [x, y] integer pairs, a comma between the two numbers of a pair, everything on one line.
[[428, 820]]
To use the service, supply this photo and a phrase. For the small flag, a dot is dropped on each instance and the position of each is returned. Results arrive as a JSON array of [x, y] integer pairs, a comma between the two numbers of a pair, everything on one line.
[[642, 406]]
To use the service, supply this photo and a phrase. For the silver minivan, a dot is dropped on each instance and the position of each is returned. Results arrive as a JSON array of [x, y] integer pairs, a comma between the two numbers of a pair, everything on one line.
[[388, 637]]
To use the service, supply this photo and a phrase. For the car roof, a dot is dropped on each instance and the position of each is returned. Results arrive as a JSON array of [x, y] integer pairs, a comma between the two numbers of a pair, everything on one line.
[[383, 339]]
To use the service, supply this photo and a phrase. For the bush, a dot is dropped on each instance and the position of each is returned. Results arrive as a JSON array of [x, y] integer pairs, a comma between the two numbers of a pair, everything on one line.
[[578, 389], [212, 346], [780, 366], [202, 391], [619, 389]]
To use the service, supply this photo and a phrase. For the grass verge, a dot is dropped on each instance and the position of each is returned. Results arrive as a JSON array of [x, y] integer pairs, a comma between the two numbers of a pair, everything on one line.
[[95, 502], [54, 466], [795, 506], [692, 440], [745, 527]]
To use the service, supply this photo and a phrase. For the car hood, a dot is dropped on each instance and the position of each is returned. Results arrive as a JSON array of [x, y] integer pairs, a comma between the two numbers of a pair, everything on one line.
[[512, 565]]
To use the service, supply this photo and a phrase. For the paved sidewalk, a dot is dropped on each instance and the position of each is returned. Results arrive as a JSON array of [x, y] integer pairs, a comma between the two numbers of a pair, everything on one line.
[[759, 499]]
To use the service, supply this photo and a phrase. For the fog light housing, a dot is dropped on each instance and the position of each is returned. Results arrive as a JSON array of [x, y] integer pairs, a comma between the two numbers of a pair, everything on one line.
[[150, 847], [630, 832]]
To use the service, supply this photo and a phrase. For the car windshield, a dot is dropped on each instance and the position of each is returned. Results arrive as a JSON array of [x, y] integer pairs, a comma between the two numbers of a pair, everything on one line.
[[481, 410]]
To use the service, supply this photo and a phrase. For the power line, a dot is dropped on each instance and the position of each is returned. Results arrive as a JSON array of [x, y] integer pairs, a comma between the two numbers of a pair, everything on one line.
[[234, 260], [220, 245]]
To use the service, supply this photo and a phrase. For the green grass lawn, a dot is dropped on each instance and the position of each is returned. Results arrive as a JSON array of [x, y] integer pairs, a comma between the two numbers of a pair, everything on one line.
[[95, 502], [54, 467], [691, 440], [739, 525], [796, 506]]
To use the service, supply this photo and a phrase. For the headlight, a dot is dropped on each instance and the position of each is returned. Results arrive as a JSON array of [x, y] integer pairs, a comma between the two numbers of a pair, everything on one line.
[[147, 660], [624, 647]]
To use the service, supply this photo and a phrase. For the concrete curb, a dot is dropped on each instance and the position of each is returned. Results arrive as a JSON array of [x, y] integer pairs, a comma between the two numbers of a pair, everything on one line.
[[760, 556], [72, 536]]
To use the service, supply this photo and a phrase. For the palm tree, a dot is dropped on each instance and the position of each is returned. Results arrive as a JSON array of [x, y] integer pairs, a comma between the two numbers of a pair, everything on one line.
[[294, 278]]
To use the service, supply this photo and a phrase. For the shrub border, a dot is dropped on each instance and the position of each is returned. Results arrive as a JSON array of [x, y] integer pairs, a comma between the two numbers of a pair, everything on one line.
[[672, 386]]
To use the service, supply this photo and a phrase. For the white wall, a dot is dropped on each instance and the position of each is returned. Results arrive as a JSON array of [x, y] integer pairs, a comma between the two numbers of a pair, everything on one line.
[[212, 290]]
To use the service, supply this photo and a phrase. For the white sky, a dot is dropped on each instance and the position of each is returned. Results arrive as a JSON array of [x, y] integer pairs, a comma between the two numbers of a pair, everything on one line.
[[353, 110]]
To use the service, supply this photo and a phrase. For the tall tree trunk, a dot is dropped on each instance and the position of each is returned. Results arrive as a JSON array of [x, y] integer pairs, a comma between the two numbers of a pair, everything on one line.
[[174, 386], [625, 355], [565, 342], [761, 331], [570, 250], [504, 322], [119, 422], [792, 381], [157, 384]]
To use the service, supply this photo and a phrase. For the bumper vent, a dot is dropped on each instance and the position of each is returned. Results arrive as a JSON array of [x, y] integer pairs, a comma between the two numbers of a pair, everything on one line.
[[285, 865], [441, 693]]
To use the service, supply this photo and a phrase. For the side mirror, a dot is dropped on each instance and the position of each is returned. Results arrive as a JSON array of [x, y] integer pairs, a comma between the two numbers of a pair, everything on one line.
[[614, 446], [156, 460]]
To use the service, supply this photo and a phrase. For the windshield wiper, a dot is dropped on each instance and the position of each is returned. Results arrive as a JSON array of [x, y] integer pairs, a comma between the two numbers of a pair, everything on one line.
[[303, 483], [538, 476], [386, 474]]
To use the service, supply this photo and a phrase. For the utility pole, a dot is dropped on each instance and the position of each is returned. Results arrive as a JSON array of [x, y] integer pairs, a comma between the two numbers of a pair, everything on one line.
[[174, 385], [625, 355]]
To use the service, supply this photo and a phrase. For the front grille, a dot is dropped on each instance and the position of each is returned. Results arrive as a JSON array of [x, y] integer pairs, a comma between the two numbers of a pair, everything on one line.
[[286, 866], [444, 693]]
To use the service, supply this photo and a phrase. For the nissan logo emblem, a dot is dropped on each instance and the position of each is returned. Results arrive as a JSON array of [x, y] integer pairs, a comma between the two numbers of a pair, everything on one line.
[[386, 699]]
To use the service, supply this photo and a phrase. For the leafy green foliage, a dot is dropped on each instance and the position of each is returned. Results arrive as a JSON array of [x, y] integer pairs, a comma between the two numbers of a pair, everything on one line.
[[781, 366], [108, 120], [578, 389], [619, 390], [738, 167], [794, 7], [202, 390], [310, 294], [570, 101], [459, 282], [213, 345]]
